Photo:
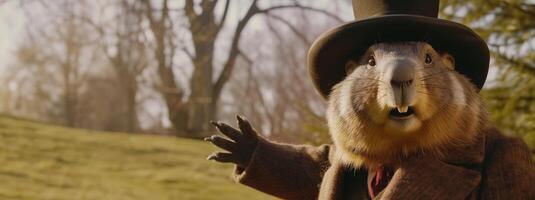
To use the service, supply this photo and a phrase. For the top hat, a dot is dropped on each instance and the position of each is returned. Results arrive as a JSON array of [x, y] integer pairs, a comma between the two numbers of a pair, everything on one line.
[[395, 21]]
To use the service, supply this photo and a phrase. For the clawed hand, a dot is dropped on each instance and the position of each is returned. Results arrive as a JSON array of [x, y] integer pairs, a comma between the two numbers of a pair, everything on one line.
[[240, 144]]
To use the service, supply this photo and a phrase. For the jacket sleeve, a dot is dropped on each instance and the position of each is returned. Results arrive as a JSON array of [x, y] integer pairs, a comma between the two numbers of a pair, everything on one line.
[[285, 171], [510, 171]]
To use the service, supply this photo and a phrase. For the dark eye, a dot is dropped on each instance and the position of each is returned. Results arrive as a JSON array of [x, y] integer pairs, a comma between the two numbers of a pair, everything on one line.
[[371, 61], [428, 59]]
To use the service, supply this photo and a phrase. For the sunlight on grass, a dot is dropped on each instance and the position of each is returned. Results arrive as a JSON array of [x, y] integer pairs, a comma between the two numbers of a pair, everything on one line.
[[41, 161]]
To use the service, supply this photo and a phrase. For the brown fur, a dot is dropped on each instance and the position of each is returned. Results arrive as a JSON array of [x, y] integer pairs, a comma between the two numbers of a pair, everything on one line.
[[448, 109]]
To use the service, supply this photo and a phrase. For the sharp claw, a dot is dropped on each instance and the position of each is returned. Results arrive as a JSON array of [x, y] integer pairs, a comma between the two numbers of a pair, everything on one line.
[[208, 139], [210, 157]]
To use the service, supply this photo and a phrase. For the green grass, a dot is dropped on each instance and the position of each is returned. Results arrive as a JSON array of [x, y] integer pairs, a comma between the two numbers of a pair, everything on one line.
[[41, 161]]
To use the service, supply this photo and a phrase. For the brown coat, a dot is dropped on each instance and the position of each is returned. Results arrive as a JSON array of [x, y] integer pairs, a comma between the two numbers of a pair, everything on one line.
[[496, 167]]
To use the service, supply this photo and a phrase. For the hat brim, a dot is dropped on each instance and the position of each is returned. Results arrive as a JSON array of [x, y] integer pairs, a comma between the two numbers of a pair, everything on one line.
[[329, 53]]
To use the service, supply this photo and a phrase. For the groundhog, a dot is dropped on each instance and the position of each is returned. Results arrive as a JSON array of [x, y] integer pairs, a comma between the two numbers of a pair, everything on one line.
[[400, 98], [404, 125]]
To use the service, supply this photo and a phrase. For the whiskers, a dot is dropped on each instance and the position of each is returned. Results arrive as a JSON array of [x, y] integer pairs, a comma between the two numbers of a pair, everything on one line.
[[432, 75], [369, 84], [366, 78], [429, 81], [436, 89]]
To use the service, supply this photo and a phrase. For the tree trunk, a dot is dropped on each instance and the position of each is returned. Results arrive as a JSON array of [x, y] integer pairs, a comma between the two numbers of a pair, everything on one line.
[[201, 103], [191, 118], [69, 104], [132, 123]]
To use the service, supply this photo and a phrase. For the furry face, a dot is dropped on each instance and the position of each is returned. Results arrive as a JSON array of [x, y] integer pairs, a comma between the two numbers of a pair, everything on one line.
[[401, 98]]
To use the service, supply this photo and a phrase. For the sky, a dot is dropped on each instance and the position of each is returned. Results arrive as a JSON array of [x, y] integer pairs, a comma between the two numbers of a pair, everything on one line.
[[11, 29]]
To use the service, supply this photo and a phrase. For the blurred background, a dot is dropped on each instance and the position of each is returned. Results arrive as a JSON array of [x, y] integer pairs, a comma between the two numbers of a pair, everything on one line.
[[106, 99]]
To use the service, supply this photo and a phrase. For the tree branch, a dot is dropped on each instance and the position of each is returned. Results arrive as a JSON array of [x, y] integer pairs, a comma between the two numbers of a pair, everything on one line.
[[245, 57], [224, 17], [208, 6], [523, 8], [149, 13], [292, 28], [253, 10], [229, 65], [190, 12], [518, 65], [270, 9]]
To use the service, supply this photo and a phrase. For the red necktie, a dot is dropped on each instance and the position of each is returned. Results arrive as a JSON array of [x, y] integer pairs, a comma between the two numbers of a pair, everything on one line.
[[378, 181]]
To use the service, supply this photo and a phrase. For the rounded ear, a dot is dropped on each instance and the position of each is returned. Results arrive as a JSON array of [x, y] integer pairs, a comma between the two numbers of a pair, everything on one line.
[[449, 61], [351, 65]]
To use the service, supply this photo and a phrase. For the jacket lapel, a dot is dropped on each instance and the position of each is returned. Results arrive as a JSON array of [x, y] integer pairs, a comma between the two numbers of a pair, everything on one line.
[[418, 179], [456, 175], [343, 182], [431, 180]]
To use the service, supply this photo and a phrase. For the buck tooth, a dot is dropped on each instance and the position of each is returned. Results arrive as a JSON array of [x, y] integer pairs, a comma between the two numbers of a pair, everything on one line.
[[403, 109]]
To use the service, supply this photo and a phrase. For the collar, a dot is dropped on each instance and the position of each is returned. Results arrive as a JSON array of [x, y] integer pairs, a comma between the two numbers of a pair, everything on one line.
[[456, 175]]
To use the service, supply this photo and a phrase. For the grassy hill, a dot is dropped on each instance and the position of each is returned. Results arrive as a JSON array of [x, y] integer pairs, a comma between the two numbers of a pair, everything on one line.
[[41, 161]]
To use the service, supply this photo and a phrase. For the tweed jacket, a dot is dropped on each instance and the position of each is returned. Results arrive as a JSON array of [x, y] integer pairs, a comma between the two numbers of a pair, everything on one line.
[[494, 167]]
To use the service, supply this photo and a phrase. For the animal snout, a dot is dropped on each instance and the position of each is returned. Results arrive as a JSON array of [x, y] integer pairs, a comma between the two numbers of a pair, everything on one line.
[[404, 83], [402, 73]]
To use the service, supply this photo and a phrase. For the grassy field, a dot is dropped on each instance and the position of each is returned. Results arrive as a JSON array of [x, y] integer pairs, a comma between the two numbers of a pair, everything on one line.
[[41, 161]]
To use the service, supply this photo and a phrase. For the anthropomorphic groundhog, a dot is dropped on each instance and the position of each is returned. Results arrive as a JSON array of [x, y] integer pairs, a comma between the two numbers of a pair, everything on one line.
[[404, 114]]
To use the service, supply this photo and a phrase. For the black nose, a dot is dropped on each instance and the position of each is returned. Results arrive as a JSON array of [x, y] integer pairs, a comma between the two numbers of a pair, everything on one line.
[[402, 74]]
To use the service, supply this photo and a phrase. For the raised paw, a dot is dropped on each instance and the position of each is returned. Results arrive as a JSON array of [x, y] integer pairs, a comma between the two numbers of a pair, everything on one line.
[[239, 144]]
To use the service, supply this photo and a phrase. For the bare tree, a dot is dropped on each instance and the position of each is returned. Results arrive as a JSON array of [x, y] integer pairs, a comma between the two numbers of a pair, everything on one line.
[[191, 114], [276, 94], [68, 62], [189, 49], [60, 51], [123, 42], [128, 55]]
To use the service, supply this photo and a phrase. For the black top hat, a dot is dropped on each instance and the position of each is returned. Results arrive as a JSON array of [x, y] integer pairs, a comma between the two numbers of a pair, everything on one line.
[[395, 21]]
